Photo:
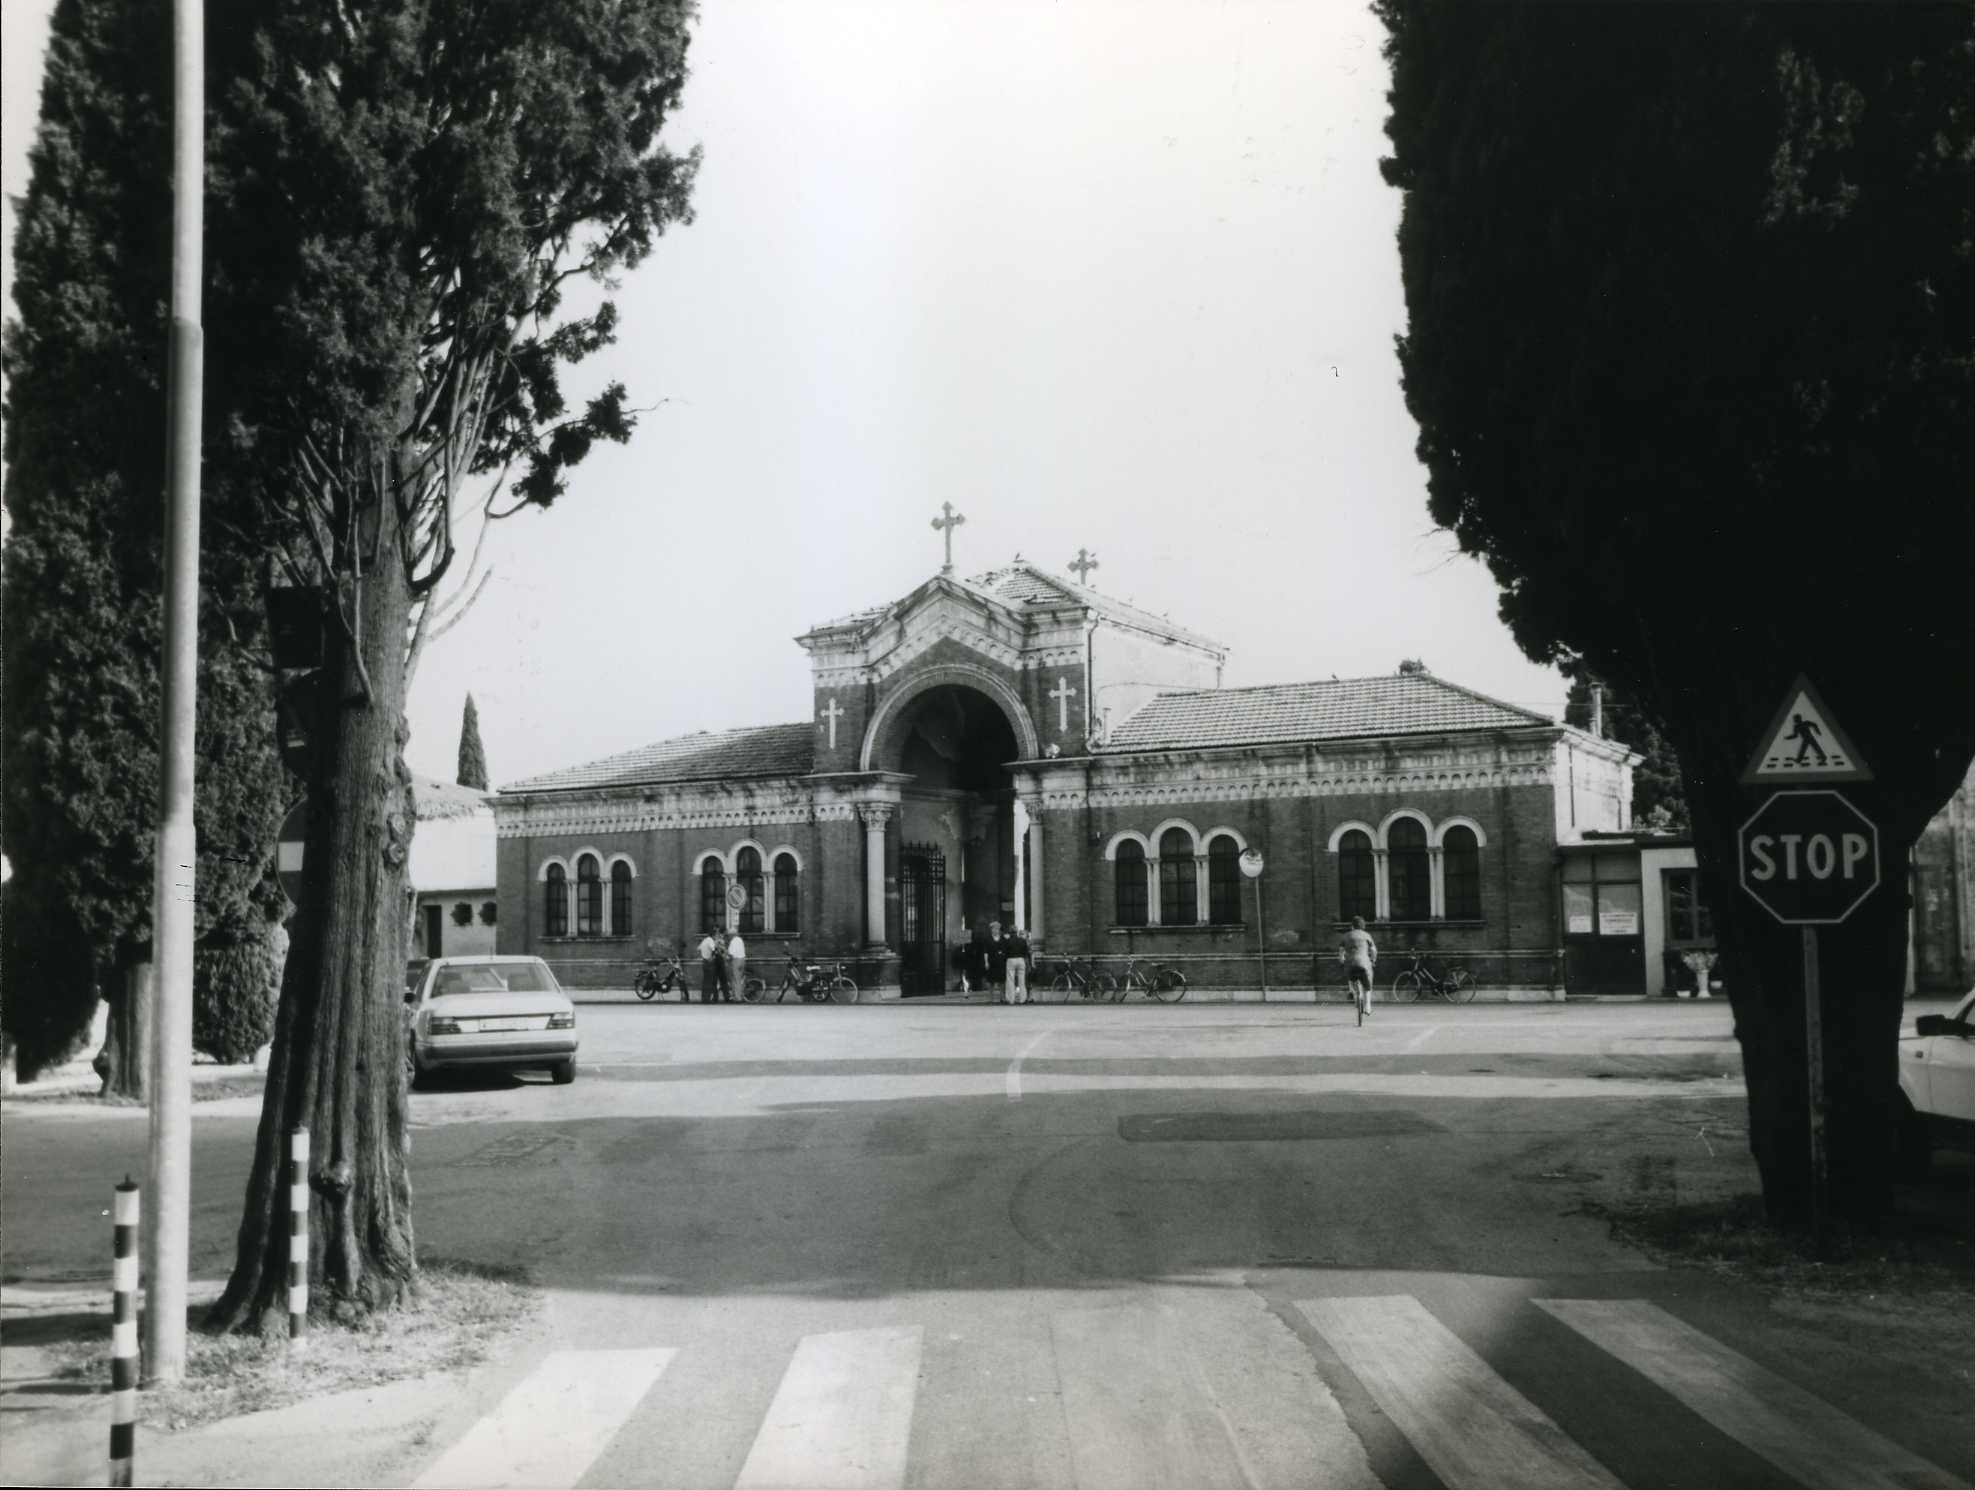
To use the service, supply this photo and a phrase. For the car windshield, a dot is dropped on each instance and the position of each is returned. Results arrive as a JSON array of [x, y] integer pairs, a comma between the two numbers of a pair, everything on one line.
[[507, 977]]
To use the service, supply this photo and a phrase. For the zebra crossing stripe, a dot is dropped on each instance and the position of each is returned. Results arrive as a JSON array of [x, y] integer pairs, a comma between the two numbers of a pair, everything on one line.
[[842, 1416], [1474, 1430], [555, 1422], [1800, 1434]]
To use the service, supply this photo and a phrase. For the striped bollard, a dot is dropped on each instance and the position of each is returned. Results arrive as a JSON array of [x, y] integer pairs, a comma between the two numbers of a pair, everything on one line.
[[123, 1336], [298, 1240]]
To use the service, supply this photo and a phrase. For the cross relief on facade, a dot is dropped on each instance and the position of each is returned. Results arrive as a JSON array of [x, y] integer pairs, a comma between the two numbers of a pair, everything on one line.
[[1062, 693], [832, 714]]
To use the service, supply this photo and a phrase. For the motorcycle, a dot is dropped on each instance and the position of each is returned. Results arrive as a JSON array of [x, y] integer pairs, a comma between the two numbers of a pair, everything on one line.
[[812, 982]]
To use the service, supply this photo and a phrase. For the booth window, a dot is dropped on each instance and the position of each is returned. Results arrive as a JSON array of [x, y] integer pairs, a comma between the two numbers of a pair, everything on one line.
[[1357, 893], [1179, 893], [1223, 881], [1406, 863], [620, 899], [1601, 895], [1460, 854], [555, 902], [1129, 891], [1688, 920]]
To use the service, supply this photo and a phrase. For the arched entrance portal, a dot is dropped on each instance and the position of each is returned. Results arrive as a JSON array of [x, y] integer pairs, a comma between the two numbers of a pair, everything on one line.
[[956, 825]]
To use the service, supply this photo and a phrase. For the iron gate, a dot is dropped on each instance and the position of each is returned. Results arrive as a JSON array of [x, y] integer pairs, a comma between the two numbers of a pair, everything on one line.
[[922, 887]]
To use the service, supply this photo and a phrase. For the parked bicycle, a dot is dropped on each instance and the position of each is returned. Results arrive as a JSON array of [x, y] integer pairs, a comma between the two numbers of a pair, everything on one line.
[[661, 975], [812, 982], [1156, 980], [1086, 982], [1457, 987]]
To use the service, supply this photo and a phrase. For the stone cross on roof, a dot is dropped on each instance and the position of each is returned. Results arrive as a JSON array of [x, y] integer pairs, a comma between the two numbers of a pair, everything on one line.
[[948, 523], [1082, 564]]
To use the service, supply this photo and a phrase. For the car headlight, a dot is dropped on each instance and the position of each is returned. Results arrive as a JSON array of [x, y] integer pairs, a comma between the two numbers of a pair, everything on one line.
[[563, 1021], [437, 1025]]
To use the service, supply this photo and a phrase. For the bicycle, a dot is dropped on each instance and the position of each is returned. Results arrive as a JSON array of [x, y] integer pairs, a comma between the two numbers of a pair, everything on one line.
[[819, 984], [661, 975], [1157, 981], [1458, 987], [1079, 977], [1360, 998]]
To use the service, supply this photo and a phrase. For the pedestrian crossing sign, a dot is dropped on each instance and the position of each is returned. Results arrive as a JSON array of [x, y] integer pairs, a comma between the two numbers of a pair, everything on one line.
[[1804, 743]]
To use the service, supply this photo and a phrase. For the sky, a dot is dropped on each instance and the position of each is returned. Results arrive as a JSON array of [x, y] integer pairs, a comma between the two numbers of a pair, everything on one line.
[[1115, 276]]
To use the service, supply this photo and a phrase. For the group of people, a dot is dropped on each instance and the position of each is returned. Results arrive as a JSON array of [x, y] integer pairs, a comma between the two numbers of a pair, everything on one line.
[[994, 959], [722, 965]]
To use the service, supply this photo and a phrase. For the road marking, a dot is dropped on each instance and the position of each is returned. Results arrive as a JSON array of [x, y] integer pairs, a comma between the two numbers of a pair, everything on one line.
[[842, 1417], [555, 1422], [1013, 1081], [1422, 1037], [1802, 1435], [1474, 1430]]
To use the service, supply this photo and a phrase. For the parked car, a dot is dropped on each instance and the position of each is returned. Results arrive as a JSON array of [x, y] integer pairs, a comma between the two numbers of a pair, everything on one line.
[[1937, 1083], [503, 1012]]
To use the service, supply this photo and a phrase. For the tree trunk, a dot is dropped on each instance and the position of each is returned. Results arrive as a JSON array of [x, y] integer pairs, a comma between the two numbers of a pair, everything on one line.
[[337, 1061], [1862, 970], [124, 1062]]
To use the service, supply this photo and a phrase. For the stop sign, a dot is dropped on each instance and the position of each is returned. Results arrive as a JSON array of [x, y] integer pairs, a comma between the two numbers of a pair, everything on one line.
[[1809, 858]]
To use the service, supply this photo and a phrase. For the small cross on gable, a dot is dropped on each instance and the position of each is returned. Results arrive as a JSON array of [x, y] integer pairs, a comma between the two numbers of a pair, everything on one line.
[[1082, 564], [946, 525], [832, 714], [1062, 693]]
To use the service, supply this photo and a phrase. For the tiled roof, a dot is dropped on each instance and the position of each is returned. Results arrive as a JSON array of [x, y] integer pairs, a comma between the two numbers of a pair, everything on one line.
[[1337, 710], [435, 800], [763, 750]]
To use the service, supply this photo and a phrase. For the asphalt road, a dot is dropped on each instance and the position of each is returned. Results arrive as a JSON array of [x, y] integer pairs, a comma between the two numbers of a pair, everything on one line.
[[1189, 1246]]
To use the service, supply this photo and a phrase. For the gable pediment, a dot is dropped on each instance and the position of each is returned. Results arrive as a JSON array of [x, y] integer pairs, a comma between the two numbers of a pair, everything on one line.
[[873, 647]]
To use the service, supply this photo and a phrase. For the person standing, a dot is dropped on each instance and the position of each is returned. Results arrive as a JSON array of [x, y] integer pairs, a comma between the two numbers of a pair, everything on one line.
[[977, 957], [709, 968], [1016, 974], [1359, 954], [736, 965], [994, 958]]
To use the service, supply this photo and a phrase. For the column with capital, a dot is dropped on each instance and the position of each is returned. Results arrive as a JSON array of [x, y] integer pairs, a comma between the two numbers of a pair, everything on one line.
[[875, 815], [1436, 881], [1020, 839], [1032, 809], [1200, 890], [1381, 886]]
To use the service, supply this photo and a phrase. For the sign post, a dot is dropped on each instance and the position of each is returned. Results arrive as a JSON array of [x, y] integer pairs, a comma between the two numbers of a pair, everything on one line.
[[1809, 858], [1252, 865]]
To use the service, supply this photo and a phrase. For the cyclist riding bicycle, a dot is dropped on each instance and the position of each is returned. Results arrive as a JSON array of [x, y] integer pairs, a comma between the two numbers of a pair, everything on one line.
[[1359, 954]]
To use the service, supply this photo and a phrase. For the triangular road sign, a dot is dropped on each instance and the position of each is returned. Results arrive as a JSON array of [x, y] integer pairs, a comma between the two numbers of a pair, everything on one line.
[[1803, 743]]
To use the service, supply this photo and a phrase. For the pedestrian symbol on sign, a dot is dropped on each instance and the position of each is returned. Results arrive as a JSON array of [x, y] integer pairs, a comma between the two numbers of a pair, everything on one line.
[[1803, 743]]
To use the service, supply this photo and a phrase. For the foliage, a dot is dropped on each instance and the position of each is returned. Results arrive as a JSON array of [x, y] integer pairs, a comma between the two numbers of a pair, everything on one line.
[[1698, 281], [462, 913], [85, 450], [236, 975], [472, 754], [403, 198], [1657, 799], [488, 912]]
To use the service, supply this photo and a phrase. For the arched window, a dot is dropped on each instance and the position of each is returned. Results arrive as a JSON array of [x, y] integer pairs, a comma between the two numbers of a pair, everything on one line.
[[1129, 888], [1460, 855], [1223, 880], [1411, 894], [1179, 893], [620, 899], [712, 895], [788, 902], [1357, 892], [589, 897], [747, 873], [555, 902]]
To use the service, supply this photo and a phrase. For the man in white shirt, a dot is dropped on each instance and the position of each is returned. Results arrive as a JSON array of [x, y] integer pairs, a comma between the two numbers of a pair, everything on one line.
[[736, 965], [709, 968]]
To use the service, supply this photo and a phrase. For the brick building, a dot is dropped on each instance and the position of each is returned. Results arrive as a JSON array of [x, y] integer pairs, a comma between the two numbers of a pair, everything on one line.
[[1018, 746]]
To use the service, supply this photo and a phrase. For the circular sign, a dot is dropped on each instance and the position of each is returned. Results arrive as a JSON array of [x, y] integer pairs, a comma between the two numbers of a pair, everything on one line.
[[1251, 863], [736, 896], [1809, 858]]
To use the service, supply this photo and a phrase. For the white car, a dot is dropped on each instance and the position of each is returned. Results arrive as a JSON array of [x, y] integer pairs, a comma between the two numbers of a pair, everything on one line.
[[491, 1012], [1937, 1080]]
